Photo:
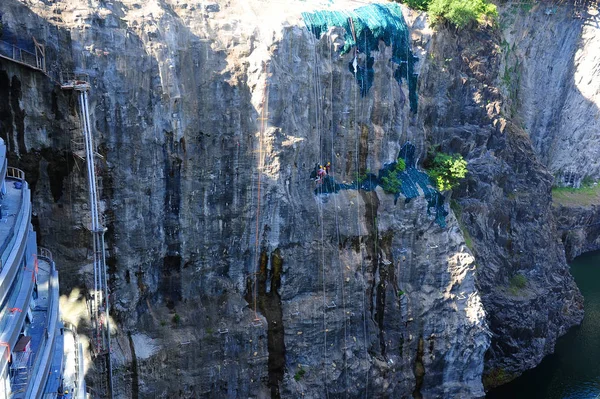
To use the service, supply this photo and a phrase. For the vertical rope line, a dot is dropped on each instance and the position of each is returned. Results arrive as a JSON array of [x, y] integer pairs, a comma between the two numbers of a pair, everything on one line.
[[260, 167], [317, 104], [317, 100], [373, 216], [325, 365], [407, 81], [337, 226], [358, 229], [362, 262], [392, 104]]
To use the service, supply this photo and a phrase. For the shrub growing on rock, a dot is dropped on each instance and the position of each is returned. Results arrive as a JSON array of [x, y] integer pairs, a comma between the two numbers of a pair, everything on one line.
[[446, 170], [417, 4], [390, 183], [517, 283], [299, 374], [462, 12], [459, 13]]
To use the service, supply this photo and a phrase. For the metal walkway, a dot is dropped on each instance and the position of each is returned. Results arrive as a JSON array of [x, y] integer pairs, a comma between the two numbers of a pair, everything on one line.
[[99, 303], [26, 58]]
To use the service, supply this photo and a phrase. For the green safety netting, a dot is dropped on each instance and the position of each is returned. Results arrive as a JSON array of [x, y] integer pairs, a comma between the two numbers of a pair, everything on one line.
[[412, 179], [371, 24]]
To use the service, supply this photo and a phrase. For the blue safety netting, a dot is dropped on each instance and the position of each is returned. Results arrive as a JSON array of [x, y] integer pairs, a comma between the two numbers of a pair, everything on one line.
[[412, 179], [371, 24]]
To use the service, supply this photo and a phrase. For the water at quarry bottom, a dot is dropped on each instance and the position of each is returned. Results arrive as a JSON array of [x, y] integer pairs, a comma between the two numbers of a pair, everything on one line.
[[573, 371]]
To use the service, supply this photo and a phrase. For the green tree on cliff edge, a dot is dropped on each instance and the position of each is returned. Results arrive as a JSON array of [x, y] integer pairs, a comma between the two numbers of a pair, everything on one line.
[[458, 12]]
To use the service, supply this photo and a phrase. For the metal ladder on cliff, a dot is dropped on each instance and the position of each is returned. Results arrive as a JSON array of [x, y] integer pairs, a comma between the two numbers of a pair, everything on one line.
[[99, 306]]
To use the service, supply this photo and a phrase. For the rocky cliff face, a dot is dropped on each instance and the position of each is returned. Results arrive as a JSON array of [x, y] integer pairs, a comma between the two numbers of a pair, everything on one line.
[[230, 277], [505, 204], [550, 65], [550, 74], [579, 228]]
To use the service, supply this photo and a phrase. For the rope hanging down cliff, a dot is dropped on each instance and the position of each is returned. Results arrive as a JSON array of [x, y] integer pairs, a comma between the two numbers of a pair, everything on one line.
[[358, 233], [337, 227], [263, 117], [317, 103]]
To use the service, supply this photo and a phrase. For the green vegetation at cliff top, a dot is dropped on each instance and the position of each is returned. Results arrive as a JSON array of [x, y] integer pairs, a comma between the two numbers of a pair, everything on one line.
[[588, 194], [459, 13]]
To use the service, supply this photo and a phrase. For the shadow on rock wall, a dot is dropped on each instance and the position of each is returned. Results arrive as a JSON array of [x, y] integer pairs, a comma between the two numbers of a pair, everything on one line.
[[504, 206]]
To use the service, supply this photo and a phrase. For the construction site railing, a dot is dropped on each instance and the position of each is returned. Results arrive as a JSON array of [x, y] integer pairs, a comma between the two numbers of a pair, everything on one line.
[[73, 77], [37, 358], [15, 173], [76, 383], [45, 254], [45, 347], [34, 366], [23, 210], [22, 56], [4, 168]]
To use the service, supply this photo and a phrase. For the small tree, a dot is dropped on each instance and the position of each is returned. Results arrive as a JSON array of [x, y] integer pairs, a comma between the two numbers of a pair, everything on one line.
[[390, 183], [446, 170], [417, 4], [458, 12], [462, 12]]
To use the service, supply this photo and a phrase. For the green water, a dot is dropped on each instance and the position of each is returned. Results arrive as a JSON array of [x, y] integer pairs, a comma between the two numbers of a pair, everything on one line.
[[573, 371]]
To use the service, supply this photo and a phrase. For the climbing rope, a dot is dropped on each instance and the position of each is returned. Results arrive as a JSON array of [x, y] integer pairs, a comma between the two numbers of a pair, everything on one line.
[[373, 217], [407, 97], [317, 102], [358, 230], [263, 117], [337, 226], [355, 60]]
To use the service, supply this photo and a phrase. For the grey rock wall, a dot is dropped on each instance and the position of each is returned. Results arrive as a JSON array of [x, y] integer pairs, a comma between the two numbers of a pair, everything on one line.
[[38, 121], [505, 204], [550, 63], [579, 229], [549, 74], [354, 295]]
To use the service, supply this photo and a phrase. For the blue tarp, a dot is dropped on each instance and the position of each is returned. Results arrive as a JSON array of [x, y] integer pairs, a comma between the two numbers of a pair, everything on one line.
[[412, 179], [371, 23]]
